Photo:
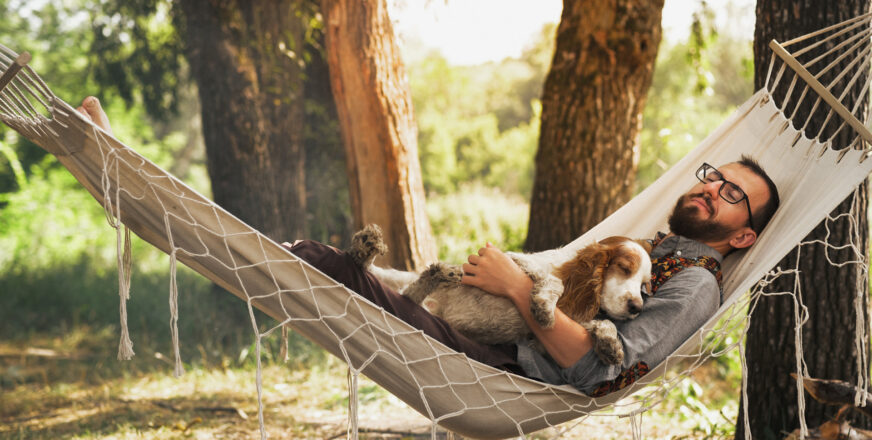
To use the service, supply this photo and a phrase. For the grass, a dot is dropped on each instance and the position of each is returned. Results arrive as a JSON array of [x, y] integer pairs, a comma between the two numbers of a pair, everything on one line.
[[75, 388], [73, 398]]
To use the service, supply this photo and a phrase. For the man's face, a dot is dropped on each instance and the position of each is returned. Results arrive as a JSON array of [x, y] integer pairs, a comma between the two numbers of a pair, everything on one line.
[[701, 214]]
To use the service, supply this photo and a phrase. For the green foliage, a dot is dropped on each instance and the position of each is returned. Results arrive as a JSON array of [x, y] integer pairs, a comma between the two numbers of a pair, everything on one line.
[[480, 124], [137, 52], [679, 114], [58, 272], [702, 35], [707, 400], [464, 221], [57, 252]]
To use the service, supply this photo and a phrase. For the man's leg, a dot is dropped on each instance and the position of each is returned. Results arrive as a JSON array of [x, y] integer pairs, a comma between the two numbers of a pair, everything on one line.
[[341, 268]]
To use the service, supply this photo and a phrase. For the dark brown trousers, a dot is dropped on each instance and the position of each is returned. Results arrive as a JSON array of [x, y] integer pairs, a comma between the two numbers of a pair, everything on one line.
[[339, 266]]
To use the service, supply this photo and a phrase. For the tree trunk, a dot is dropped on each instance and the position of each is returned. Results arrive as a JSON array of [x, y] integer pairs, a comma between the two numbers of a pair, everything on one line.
[[827, 291], [378, 128], [246, 60], [329, 209], [591, 116]]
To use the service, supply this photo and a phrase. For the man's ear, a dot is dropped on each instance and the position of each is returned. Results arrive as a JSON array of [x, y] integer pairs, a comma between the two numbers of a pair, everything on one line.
[[744, 238]]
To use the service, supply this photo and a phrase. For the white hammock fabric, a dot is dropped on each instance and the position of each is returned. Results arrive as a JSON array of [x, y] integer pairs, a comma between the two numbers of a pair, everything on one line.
[[455, 392]]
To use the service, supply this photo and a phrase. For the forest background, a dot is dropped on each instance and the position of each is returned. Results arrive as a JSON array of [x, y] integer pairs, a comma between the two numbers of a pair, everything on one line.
[[478, 132]]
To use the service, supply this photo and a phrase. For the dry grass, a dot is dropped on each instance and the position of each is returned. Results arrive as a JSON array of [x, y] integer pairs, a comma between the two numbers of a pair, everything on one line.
[[73, 388]]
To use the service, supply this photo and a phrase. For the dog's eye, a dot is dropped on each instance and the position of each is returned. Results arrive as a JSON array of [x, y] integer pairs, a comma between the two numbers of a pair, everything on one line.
[[624, 269]]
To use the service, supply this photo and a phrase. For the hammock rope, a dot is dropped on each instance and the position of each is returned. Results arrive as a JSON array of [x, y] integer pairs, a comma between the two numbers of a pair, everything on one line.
[[453, 391]]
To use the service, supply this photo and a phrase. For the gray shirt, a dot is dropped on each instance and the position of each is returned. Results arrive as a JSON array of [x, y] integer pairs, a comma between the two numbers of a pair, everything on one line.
[[679, 308]]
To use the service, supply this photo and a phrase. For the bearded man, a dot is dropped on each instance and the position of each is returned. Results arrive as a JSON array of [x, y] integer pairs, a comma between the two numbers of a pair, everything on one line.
[[724, 212]]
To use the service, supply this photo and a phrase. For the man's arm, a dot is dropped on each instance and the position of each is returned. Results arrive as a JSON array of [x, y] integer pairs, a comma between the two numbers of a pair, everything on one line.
[[671, 316], [494, 272]]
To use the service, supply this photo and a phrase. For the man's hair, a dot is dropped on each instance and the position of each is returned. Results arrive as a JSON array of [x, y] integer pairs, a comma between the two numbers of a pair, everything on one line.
[[765, 212]]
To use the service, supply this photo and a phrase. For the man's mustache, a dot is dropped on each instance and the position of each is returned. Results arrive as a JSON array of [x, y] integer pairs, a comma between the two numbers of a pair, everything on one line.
[[705, 198]]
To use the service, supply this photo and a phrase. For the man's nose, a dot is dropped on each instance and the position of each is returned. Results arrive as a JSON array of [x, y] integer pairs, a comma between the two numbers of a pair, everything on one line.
[[712, 188]]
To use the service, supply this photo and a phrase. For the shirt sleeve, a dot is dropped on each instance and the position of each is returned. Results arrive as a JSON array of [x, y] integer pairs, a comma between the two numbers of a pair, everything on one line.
[[679, 308]]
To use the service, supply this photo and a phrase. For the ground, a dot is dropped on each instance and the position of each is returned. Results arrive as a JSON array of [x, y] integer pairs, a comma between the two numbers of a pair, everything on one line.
[[52, 392]]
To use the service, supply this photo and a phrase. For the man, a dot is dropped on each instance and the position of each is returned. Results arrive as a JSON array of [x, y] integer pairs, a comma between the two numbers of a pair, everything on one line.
[[725, 211]]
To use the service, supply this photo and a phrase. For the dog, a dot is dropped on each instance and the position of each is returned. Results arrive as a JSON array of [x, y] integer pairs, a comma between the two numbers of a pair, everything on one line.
[[603, 277]]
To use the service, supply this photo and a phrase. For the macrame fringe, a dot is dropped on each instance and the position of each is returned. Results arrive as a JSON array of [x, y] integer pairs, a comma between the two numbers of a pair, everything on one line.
[[861, 333], [636, 425], [283, 351], [259, 382], [353, 404], [125, 345], [112, 210], [799, 312], [746, 418], [174, 316]]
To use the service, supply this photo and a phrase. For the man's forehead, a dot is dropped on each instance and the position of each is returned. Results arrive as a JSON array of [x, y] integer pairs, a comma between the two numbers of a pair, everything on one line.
[[735, 169], [743, 176]]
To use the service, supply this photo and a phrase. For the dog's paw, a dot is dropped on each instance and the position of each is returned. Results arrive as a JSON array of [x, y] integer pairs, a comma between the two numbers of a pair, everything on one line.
[[437, 276], [367, 244], [542, 310], [606, 342], [443, 273]]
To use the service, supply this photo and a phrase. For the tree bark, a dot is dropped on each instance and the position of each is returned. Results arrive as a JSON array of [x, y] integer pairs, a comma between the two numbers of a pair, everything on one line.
[[246, 60], [327, 202], [374, 104], [828, 291], [591, 116]]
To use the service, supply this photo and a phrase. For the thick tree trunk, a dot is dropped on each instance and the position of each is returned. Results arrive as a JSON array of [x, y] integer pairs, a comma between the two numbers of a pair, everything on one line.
[[246, 60], [330, 218], [592, 116], [827, 291], [378, 128]]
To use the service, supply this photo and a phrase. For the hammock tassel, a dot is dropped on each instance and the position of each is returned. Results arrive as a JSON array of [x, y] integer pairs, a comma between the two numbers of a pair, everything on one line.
[[174, 316], [283, 351], [125, 346], [352, 403]]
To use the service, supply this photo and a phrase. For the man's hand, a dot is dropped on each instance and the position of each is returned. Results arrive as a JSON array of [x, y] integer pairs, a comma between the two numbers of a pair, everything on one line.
[[494, 272]]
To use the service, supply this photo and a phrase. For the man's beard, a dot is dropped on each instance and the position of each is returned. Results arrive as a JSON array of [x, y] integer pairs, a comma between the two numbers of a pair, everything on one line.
[[685, 221]]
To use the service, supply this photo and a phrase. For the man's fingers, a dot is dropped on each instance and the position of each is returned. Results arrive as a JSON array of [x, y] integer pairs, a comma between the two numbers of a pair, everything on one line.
[[474, 259], [469, 277]]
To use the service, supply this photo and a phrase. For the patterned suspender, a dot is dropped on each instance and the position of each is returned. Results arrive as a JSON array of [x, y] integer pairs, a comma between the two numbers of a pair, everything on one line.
[[662, 269], [665, 267]]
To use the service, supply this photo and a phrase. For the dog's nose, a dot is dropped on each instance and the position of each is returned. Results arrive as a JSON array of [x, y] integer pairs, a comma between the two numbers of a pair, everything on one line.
[[634, 306]]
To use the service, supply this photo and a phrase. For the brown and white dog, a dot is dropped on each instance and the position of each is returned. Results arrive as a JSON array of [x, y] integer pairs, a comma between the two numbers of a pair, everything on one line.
[[603, 277]]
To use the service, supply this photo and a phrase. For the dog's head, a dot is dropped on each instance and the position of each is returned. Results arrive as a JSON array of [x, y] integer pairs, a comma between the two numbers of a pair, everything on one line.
[[607, 275]]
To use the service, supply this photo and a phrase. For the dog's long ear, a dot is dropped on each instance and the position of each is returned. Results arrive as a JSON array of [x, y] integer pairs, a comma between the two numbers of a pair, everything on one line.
[[645, 245], [582, 282]]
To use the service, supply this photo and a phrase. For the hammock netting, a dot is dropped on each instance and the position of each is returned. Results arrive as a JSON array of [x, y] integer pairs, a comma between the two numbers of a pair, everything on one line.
[[460, 394]]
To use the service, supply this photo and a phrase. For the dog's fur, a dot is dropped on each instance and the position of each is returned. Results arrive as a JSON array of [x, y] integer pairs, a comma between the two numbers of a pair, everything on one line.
[[605, 276]]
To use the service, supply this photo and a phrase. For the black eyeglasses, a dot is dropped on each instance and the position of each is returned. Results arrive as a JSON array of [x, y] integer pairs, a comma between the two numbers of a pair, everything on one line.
[[728, 191]]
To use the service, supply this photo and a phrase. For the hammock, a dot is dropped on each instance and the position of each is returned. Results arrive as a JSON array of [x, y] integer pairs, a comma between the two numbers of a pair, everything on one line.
[[455, 392]]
